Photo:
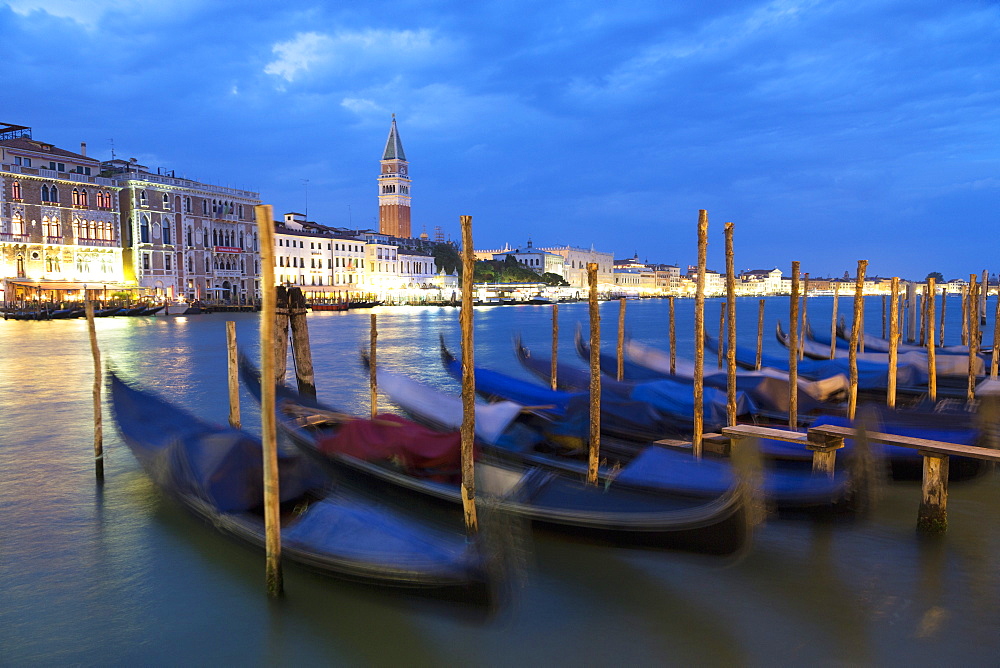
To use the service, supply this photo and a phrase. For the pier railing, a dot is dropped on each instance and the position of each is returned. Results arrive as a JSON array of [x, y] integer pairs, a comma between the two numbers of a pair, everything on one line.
[[825, 440]]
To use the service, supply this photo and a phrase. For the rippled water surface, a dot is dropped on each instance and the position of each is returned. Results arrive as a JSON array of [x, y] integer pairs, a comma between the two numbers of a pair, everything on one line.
[[118, 575]]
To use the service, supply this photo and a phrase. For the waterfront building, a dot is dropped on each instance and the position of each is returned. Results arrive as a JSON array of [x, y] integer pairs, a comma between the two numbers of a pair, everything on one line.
[[715, 283], [535, 259], [59, 221], [634, 277], [394, 187], [761, 281], [575, 262], [183, 239]]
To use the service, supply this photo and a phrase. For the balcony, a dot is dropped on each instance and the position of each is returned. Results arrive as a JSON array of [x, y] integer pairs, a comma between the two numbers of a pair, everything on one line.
[[14, 238], [228, 273], [54, 240], [96, 242]]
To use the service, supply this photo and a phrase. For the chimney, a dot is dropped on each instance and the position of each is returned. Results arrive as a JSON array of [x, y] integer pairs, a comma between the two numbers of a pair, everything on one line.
[[83, 149]]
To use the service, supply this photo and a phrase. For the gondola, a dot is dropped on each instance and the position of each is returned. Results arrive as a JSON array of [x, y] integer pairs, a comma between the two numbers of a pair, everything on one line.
[[152, 310], [360, 450], [873, 343], [767, 389], [646, 466], [640, 411], [216, 472]]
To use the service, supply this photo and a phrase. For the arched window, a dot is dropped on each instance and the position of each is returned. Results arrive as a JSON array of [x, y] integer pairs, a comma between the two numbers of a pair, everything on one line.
[[45, 193], [166, 231], [144, 230], [15, 190], [76, 197], [83, 198], [187, 205], [166, 201], [17, 224], [54, 194], [142, 198]]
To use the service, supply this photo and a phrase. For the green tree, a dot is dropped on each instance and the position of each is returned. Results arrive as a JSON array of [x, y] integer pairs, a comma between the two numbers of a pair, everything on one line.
[[548, 278], [446, 257], [936, 275]]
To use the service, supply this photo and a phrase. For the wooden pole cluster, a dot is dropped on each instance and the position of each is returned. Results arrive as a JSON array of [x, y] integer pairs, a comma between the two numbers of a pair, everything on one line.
[[931, 348], [731, 331], [793, 350], [621, 339], [673, 337], [859, 287], [468, 380], [890, 395], [555, 346], [373, 365], [595, 376], [760, 333], [234, 381], [305, 379], [269, 437], [95, 352], [699, 335], [973, 336], [280, 337]]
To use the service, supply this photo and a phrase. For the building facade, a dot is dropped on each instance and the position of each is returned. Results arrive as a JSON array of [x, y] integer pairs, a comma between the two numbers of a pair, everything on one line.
[[187, 240], [59, 221]]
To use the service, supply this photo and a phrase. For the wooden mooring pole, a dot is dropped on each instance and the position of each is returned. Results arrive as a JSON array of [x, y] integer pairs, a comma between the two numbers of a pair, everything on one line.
[[722, 334], [859, 287], [804, 318], [944, 305], [305, 379], [883, 316], [731, 329], [468, 380], [932, 517], [673, 337], [890, 395], [911, 312], [995, 358], [95, 352], [931, 348], [555, 347], [699, 335], [621, 339], [973, 336], [595, 375], [760, 333], [833, 320], [373, 365], [793, 350], [965, 315], [233, 376], [269, 322]]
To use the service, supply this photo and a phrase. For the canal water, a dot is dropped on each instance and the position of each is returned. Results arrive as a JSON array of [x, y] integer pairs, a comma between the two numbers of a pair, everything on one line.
[[119, 575]]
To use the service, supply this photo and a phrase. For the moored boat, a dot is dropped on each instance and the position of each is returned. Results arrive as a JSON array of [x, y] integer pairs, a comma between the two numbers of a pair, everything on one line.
[[216, 472]]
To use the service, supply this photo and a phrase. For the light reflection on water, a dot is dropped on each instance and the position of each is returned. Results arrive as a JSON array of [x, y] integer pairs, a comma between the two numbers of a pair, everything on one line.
[[119, 575]]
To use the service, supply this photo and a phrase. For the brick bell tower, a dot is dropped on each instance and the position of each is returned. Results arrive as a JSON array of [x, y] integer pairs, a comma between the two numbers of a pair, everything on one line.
[[394, 188]]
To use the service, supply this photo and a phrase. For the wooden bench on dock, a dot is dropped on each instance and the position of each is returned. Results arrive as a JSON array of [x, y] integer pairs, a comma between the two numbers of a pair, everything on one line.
[[825, 440]]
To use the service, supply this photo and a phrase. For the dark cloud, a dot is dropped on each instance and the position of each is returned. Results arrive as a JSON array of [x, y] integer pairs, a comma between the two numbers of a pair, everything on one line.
[[827, 132]]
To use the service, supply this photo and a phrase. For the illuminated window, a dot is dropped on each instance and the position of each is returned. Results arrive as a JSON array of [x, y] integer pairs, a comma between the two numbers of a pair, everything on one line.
[[83, 198], [76, 197], [17, 224], [15, 190]]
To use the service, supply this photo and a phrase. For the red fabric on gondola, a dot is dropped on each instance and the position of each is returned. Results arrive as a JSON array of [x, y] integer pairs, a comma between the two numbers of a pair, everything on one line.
[[415, 447]]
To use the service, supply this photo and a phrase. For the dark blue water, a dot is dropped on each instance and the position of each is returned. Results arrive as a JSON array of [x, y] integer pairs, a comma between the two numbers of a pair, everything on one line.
[[118, 575]]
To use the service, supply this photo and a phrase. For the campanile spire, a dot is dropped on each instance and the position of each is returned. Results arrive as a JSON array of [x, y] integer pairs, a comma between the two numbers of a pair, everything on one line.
[[394, 187]]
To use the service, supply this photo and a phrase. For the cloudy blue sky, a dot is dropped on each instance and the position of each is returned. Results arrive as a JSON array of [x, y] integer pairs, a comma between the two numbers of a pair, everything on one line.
[[826, 131]]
